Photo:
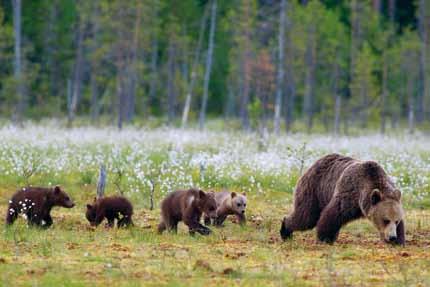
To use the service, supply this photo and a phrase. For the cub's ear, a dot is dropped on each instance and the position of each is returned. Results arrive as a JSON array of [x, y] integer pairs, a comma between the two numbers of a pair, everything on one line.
[[397, 194], [202, 194], [89, 206], [376, 196], [57, 189], [233, 194], [244, 193]]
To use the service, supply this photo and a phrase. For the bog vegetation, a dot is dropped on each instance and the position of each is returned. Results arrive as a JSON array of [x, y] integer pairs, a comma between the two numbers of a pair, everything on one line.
[[145, 164]]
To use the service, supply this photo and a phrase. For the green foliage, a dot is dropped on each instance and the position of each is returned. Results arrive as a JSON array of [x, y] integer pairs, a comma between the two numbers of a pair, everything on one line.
[[118, 53]]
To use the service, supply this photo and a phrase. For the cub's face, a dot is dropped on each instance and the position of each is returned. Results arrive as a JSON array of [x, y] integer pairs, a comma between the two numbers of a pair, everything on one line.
[[208, 203], [60, 198], [91, 214], [238, 203], [386, 215]]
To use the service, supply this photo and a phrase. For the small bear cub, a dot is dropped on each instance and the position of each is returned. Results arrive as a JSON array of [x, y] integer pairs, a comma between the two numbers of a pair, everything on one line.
[[228, 203], [110, 208], [35, 203], [187, 206]]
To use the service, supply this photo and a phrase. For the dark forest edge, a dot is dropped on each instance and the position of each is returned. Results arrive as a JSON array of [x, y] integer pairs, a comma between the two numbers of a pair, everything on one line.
[[296, 65]]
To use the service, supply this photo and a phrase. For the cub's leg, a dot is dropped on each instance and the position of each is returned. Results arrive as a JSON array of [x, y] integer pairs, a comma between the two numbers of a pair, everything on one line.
[[125, 221], [220, 220], [241, 218], [11, 215], [207, 220], [47, 221], [192, 220], [110, 222]]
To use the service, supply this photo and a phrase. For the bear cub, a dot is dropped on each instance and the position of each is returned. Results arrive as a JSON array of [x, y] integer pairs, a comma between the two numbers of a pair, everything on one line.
[[35, 203], [111, 208], [187, 206], [228, 203]]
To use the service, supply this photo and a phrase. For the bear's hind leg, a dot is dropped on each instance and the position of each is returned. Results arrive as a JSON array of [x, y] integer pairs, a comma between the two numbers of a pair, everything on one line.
[[125, 221], [302, 218]]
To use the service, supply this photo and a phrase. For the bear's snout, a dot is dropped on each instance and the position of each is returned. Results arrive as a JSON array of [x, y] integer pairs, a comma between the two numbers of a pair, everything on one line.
[[392, 239], [70, 204]]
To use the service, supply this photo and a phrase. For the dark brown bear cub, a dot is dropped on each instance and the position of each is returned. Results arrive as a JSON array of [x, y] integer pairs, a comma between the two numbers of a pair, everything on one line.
[[110, 208], [35, 203], [336, 190], [187, 206]]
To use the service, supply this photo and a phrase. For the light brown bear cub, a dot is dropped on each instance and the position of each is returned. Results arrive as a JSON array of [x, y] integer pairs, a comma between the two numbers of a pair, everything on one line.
[[228, 203], [187, 206], [336, 190]]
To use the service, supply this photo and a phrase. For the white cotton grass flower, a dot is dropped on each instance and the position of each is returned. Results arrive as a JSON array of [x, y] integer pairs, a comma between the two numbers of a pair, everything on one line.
[[171, 158]]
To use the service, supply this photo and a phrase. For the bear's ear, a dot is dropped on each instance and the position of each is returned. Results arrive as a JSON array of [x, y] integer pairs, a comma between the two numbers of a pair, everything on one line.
[[233, 194], [202, 194], [89, 206], [397, 194], [375, 197], [244, 193], [57, 189], [372, 169]]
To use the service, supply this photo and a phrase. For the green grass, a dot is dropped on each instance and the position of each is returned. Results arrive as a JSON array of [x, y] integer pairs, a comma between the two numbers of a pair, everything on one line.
[[71, 253]]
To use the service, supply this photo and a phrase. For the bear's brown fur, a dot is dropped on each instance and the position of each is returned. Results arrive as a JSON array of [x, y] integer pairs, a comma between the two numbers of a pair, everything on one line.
[[36, 204], [336, 190], [228, 203], [187, 206], [110, 208]]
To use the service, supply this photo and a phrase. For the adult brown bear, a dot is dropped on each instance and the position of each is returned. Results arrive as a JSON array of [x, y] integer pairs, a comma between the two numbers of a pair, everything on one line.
[[338, 189]]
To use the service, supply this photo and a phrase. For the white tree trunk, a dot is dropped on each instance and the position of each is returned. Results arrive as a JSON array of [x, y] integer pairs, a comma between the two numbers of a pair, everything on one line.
[[189, 96], [280, 75], [17, 7], [208, 65]]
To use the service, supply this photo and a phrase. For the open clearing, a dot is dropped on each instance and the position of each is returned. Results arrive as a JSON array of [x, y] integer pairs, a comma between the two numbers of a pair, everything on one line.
[[72, 253]]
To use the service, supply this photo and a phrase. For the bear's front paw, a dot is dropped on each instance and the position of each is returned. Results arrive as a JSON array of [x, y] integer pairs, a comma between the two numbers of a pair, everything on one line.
[[326, 238], [204, 231]]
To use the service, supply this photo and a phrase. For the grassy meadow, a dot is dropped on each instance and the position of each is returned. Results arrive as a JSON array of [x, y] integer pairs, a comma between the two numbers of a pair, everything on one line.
[[142, 162]]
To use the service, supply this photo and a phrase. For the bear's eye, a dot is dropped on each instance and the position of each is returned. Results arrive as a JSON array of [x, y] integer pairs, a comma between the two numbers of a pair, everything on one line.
[[67, 198], [211, 208], [397, 222], [386, 222], [244, 204], [238, 205]]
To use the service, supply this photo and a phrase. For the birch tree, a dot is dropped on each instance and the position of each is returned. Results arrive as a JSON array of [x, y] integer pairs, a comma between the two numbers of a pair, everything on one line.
[[22, 100], [208, 65], [280, 73]]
